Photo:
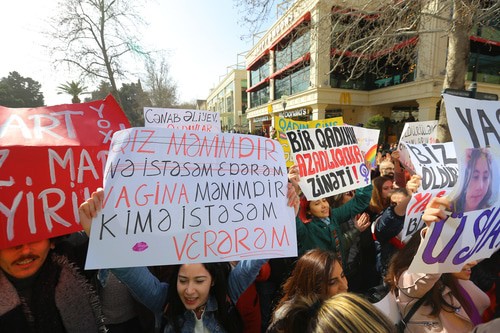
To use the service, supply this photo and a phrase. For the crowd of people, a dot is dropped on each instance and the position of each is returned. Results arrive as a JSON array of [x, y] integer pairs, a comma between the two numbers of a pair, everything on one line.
[[348, 246]]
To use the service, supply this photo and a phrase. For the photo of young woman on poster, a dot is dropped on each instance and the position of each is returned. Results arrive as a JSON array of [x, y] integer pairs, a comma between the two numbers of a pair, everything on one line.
[[479, 184]]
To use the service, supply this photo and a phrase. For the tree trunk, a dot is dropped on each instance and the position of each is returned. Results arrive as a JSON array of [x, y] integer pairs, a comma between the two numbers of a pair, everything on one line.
[[458, 58]]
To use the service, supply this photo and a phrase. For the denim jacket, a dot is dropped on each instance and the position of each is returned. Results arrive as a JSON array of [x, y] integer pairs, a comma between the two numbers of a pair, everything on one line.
[[148, 290]]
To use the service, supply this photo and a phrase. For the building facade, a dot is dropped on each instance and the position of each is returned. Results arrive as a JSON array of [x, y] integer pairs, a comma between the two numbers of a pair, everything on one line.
[[291, 71], [229, 98]]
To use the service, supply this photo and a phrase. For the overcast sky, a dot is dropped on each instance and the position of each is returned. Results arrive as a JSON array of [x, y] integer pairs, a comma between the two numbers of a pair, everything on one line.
[[202, 38]]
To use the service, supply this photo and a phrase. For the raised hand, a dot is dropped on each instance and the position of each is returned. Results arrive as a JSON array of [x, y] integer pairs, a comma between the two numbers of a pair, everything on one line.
[[89, 209], [362, 222], [436, 210], [413, 184]]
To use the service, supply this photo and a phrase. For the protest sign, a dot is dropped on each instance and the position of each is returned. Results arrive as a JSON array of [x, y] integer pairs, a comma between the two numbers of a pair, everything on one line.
[[195, 120], [175, 196], [472, 229], [419, 132], [437, 165], [416, 133], [51, 159], [329, 161], [284, 124], [368, 142]]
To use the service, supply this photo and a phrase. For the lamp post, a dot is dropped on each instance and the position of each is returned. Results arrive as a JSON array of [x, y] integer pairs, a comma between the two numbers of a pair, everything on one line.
[[284, 99]]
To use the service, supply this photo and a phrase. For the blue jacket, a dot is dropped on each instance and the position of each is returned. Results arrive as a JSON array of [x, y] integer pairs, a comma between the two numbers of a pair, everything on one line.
[[388, 225], [148, 290], [317, 234]]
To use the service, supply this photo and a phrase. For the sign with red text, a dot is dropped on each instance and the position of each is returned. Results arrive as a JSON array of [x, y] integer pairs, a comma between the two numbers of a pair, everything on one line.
[[329, 161], [51, 159], [175, 196], [284, 124], [471, 231], [193, 120], [437, 165]]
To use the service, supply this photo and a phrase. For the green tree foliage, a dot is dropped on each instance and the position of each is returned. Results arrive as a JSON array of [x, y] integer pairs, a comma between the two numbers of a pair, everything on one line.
[[20, 92], [102, 91], [74, 89], [134, 99]]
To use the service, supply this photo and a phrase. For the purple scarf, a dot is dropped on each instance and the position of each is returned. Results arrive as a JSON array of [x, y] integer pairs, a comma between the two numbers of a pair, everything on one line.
[[471, 310]]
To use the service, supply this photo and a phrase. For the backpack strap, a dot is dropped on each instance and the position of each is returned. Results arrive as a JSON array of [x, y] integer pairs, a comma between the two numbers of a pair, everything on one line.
[[413, 309]]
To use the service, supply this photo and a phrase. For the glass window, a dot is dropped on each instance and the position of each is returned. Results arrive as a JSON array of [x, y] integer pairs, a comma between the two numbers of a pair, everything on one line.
[[293, 83], [484, 61], [259, 73], [260, 96], [297, 44]]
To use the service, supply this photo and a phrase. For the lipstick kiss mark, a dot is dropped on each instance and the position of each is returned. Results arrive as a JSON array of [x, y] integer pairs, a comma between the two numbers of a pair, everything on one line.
[[139, 247]]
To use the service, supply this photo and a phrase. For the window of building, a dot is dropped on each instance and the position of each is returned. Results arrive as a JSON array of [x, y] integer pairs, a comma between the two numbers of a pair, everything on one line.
[[292, 83], [293, 47], [370, 67], [244, 96], [260, 71], [484, 59], [259, 97]]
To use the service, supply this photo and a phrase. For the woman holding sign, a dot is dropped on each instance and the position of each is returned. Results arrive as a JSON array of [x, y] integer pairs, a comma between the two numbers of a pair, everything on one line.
[[205, 294], [477, 190], [447, 302], [318, 225]]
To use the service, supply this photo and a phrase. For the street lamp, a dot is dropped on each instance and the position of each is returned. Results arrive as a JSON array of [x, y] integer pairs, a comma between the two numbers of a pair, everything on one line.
[[284, 99]]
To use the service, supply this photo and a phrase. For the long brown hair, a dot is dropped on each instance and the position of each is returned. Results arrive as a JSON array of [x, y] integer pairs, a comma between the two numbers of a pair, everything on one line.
[[401, 261], [377, 202], [310, 275]]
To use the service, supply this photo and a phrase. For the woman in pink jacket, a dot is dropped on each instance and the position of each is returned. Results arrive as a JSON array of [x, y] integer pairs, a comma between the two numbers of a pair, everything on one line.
[[452, 303]]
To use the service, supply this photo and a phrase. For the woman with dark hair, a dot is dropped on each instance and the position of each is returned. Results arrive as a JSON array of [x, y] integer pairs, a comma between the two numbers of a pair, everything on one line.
[[318, 225], [451, 302], [381, 196], [205, 293], [388, 227], [477, 190], [318, 272], [201, 288]]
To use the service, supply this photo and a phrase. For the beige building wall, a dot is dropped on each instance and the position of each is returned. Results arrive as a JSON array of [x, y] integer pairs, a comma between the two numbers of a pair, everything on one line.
[[226, 98], [357, 106]]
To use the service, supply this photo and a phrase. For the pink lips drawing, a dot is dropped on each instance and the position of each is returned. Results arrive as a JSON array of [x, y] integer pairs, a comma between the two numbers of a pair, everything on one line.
[[139, 247]]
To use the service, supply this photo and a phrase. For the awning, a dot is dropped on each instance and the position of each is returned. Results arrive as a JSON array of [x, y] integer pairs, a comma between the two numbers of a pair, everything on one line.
[[257, 59], [484, 40], [375, 55], [305, 17], [296, 62]]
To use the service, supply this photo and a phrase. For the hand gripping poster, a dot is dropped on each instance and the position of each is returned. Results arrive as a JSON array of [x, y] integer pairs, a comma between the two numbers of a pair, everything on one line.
[[329, 161], [472, 228]]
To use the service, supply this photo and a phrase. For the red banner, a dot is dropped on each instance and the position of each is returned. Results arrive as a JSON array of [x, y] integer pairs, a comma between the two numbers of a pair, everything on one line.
[[51, 159]]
